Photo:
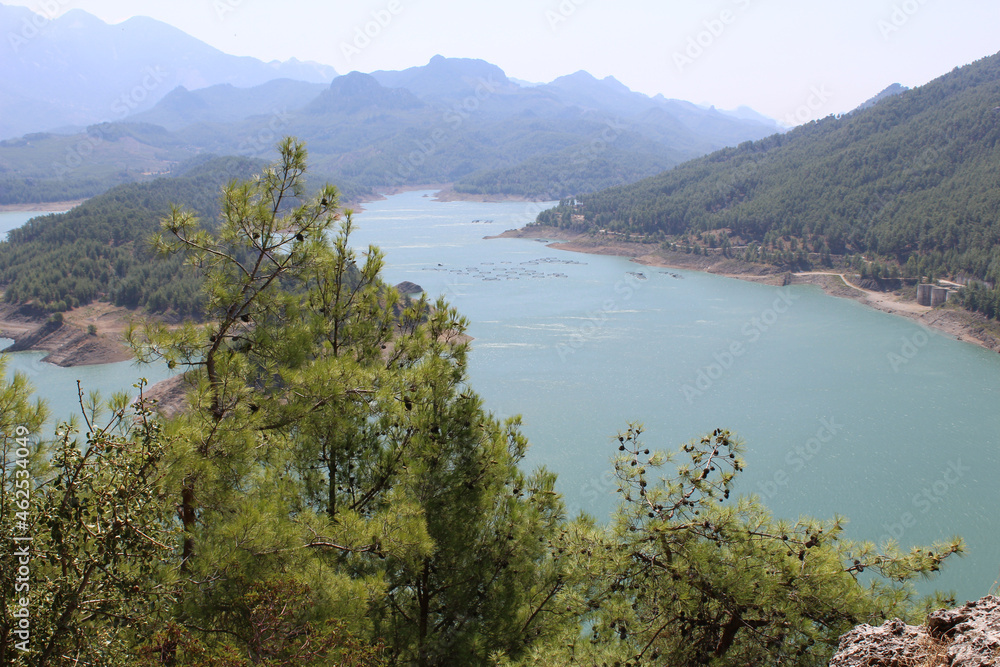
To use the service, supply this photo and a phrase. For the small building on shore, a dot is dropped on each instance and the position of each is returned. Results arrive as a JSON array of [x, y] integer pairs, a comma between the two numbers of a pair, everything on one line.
[[932, 295]]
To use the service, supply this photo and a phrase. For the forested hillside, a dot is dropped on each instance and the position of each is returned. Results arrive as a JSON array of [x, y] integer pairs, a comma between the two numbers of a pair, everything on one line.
[[101, 248], [911, 182]]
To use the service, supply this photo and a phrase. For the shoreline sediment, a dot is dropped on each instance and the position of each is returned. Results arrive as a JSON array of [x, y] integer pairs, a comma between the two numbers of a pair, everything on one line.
[[960, 324], [69, 342], [41, 208]]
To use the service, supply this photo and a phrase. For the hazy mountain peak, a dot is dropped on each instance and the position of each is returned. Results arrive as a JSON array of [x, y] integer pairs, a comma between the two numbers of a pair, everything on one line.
[[354, 83], [469, 67], [889, 91], [446, 78], [583, 79], [111, 71], [79, 16], [357, 91], [612, 82], [580, 75]]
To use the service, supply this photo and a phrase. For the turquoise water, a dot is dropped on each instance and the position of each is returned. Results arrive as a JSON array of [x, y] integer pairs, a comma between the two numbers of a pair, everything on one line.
[[843, 409], [9, 221], [12, 220], [58, 386]]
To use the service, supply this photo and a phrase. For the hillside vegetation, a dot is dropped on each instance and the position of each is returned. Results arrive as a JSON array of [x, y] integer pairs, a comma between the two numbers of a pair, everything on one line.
[[100, 249], [911, 183]]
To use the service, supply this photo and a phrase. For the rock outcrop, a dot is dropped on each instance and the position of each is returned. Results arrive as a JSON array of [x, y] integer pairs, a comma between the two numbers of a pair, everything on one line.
[[406, 287], [968, 636], [168, 397], [68, 345]]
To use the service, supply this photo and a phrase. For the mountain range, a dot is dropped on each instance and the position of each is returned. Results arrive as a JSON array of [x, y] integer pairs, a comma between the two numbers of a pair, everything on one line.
[[76, 70], [151, 97]]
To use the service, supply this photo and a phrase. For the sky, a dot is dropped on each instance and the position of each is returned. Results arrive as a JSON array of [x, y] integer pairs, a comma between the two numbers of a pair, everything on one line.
[[793, 60]]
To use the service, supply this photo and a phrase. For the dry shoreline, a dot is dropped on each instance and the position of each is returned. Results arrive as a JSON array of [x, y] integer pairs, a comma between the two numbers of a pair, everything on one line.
[[46, 207], [69, 343], [956, 322]]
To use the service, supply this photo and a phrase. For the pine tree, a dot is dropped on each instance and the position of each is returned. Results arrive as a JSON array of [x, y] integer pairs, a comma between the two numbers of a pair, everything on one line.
[[332, 442], [685, 575]]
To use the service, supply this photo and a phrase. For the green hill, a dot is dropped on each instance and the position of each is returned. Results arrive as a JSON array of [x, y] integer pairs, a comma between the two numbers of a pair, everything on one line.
[[911, 182], [100, 248]]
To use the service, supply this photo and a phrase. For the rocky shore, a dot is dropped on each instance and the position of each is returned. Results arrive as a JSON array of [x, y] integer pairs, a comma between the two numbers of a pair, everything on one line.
[[968, 636], [80, 338]]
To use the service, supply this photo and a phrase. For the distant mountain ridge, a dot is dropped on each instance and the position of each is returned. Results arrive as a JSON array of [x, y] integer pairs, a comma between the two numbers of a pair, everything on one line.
[[76, 70], [447, 78], [453, 120]]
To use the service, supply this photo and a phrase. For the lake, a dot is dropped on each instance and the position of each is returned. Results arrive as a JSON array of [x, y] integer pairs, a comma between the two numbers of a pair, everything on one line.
[[13, 219], [844, 410]]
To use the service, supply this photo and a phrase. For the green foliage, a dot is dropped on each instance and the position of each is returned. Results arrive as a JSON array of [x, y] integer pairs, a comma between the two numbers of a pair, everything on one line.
[[333, 442], [20, 422], [99, 249], [580, 168], [267, 620], [981, 298], [684, 576], [99, 528], [45, 167]]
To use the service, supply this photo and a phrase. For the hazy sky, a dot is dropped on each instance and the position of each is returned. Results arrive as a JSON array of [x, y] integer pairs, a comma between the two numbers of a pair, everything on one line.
[[789, 59]]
